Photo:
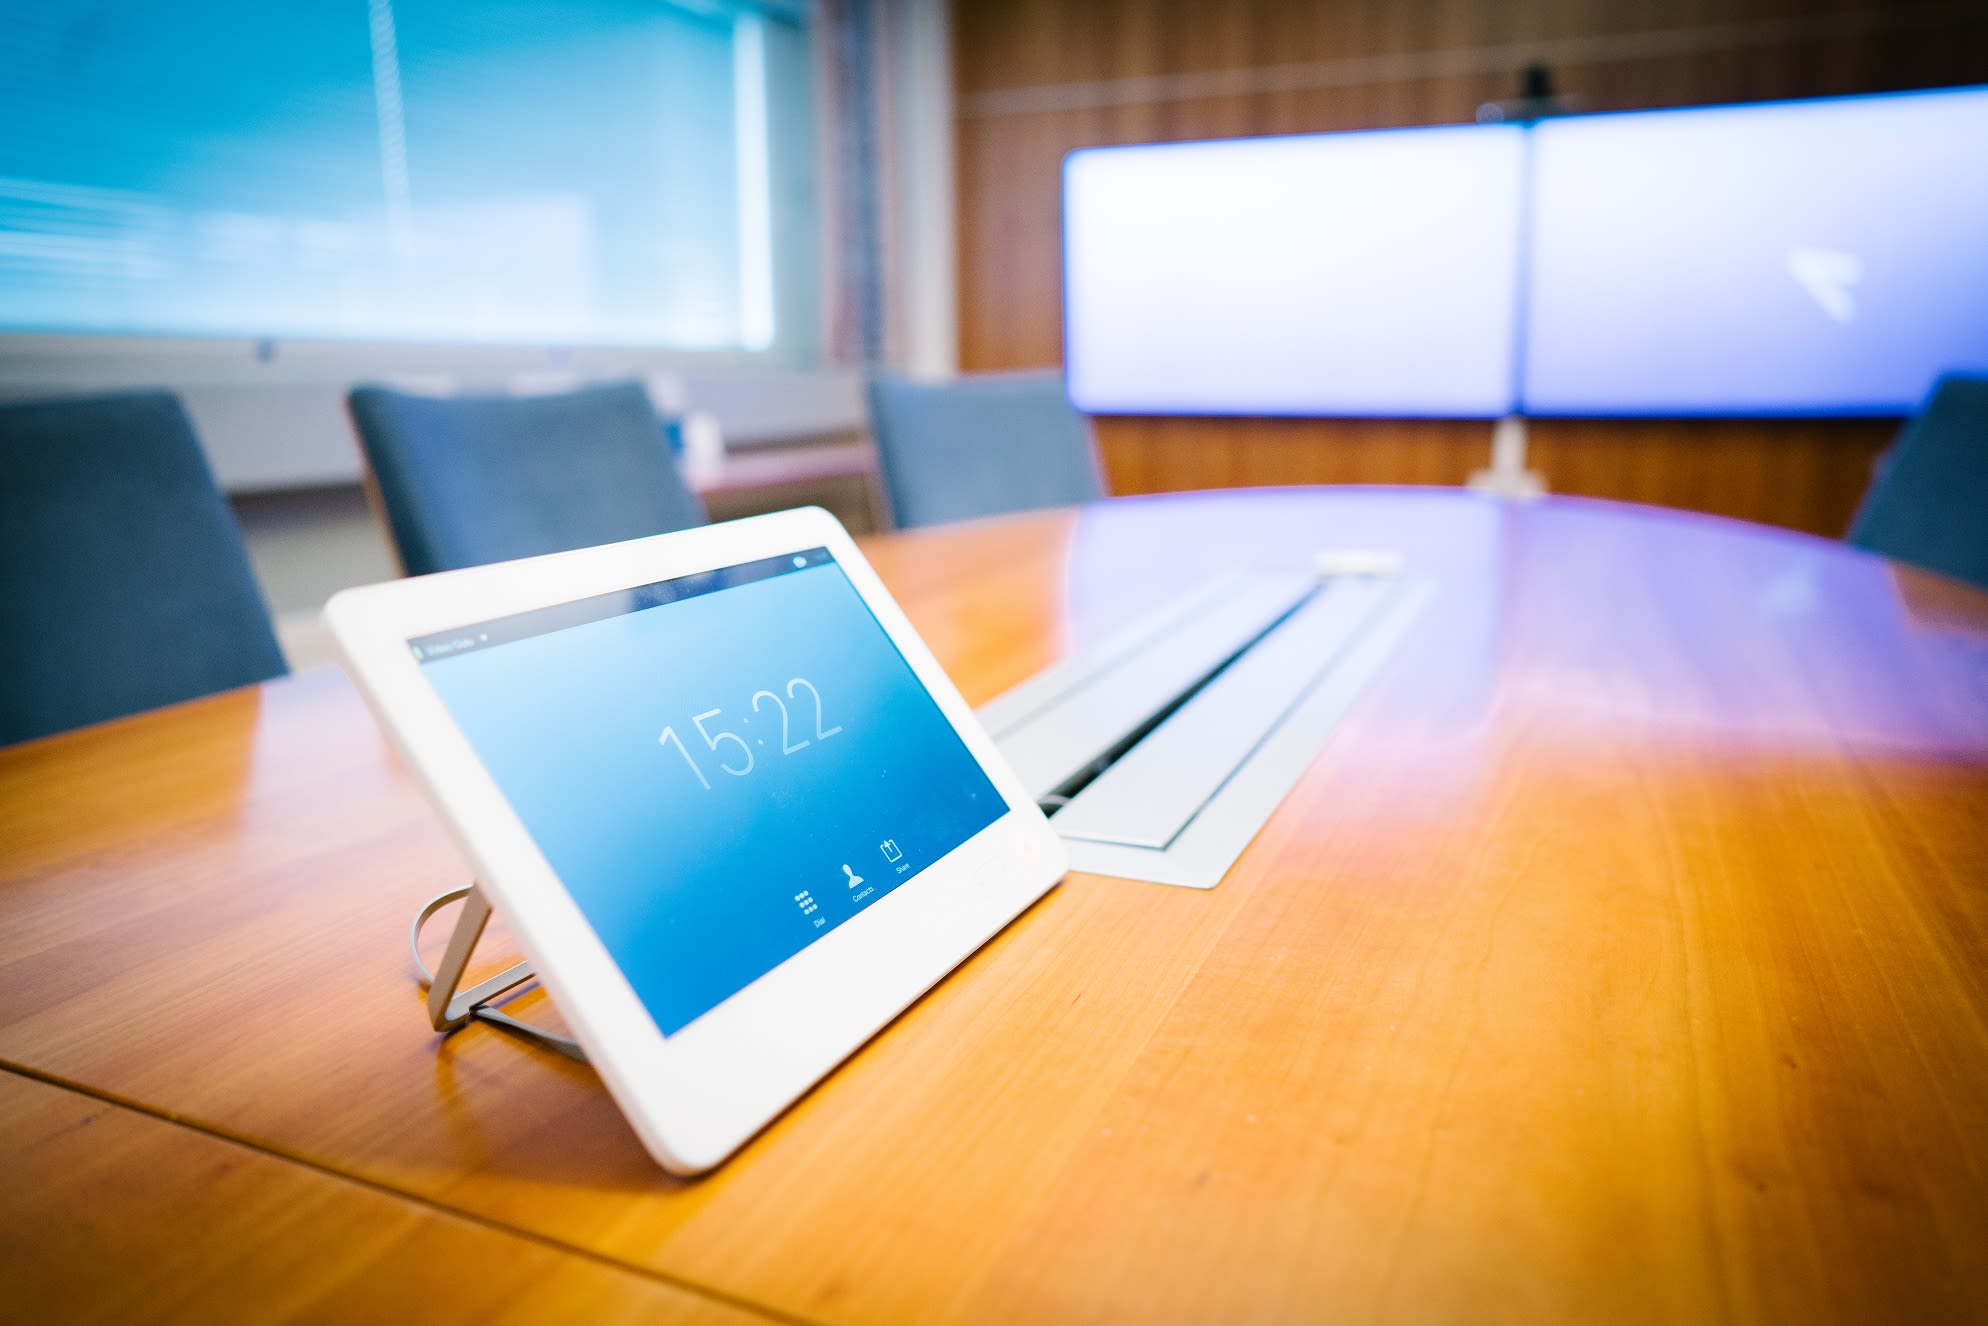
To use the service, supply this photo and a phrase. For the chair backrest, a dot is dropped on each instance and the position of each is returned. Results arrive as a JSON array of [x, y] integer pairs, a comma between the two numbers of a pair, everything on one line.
[[123, 582], [980, 446], [474, 479], [1928, 502]]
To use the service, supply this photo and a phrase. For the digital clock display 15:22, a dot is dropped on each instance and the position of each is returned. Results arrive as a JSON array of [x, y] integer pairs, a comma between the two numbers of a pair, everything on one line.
[[800, 691]]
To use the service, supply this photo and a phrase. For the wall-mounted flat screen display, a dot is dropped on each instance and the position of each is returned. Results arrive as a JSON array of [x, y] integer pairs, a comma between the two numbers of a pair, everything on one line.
[[1326, 274], [1826, 257]]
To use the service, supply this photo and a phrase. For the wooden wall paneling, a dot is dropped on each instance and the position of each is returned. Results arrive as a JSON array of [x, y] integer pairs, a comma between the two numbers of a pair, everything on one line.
[[1037, 79], [1801, 474], [1163, 454]]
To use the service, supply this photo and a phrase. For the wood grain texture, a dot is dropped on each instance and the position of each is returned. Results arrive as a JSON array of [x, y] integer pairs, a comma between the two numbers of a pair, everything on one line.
[[1806, 475], [1038, 79], [112, 1215], [1159, 455], [1624, 957]]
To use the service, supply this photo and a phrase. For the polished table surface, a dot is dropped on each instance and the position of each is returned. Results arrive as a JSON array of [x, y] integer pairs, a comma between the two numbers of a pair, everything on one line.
[[1623, 957]]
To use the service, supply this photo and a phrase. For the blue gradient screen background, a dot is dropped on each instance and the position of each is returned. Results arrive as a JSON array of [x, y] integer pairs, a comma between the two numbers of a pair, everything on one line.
[[697, 893], [1800, 257]]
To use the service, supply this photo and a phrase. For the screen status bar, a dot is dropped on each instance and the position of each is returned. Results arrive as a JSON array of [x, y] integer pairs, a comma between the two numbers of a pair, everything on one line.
[[559, 617]]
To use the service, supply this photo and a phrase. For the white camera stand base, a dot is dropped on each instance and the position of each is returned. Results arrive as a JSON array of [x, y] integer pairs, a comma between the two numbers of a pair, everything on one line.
[[1508, 475]]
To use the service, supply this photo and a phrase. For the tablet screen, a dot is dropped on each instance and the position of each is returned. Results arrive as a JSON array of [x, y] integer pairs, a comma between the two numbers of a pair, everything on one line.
[[720, 768]]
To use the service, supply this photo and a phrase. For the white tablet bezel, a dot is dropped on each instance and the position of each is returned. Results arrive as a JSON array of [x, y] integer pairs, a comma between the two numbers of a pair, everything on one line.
[[695, 1096]]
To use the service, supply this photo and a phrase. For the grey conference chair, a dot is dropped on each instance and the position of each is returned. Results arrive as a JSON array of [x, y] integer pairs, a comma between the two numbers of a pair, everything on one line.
[[980, 446], [472, 479], [1928, 502], [123, 581]]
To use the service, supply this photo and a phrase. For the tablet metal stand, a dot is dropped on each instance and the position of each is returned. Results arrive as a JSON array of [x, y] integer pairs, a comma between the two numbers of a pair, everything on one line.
[[449, 1006]]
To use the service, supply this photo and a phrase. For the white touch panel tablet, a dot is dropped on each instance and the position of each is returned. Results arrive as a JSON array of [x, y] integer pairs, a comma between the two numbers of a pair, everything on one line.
[[735, 812]]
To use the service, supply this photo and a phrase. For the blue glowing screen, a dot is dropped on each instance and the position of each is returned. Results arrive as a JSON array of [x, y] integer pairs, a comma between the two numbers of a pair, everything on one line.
[[1820, 256], [489, 171], [721, 769], [1352, 274]]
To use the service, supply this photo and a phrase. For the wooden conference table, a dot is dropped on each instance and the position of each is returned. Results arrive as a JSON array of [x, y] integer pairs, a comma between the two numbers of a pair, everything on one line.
[[1623, 957]]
